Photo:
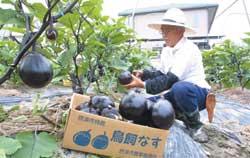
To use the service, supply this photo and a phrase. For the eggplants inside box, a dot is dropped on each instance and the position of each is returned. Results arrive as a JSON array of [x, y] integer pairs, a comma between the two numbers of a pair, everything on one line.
[[104, 136]]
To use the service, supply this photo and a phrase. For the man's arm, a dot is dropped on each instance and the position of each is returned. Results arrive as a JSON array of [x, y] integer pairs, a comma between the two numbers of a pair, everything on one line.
[[149, 74], [154, 85], [160, 83]]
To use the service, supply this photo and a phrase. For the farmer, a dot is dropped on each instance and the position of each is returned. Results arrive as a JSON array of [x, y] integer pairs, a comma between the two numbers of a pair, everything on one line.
[[181, 72]]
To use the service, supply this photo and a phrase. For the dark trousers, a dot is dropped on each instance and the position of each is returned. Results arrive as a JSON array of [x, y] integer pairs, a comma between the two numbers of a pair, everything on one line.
[[186, 98]]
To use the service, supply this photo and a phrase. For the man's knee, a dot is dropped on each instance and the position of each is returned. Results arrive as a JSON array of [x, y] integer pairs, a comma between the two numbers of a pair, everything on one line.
[[184, 96], [179, 88]]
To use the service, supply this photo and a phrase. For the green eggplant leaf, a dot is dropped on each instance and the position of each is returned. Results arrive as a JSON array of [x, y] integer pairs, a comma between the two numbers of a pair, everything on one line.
[[35, 146], [38, 10], [2, 153], [9, 16], [8, 145], [69, 20], [15, 29]]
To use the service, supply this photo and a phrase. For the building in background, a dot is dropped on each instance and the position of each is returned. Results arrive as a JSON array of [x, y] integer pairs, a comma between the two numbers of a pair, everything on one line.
[[232, 19], [199, 15]]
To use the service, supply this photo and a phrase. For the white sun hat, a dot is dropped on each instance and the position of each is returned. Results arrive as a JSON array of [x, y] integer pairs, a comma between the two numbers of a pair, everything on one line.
[[173, 17]]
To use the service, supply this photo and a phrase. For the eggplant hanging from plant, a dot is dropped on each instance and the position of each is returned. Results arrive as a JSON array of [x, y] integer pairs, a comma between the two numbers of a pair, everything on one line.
[[101, 69], [35, 70], [51, 32]]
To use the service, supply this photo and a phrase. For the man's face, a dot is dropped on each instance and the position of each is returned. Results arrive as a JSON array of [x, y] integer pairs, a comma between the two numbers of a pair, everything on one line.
[[171, 34]]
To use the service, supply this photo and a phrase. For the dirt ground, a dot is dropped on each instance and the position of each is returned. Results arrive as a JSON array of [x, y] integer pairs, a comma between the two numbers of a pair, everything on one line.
[[7, 89], [234, 94], [218, 141], [24, 91], [237, 94]]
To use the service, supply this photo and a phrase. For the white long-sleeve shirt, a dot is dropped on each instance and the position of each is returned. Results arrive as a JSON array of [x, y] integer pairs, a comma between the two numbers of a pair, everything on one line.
[[185, 61]]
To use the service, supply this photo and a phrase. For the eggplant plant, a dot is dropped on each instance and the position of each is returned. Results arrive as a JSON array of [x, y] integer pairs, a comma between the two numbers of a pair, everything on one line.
[[97, 51], [228, 64], [83, 46], [18, 20]]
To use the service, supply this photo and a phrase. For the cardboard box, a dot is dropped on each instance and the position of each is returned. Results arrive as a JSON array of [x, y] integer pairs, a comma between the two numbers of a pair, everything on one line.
[[104, 136]]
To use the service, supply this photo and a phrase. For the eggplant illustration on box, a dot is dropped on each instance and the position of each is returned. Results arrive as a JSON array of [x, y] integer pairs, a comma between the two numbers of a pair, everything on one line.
[[82, 138], [100, 142]]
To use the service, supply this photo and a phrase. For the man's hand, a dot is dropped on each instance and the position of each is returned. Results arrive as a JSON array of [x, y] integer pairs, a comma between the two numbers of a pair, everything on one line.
[[137, 73], [136, 82]]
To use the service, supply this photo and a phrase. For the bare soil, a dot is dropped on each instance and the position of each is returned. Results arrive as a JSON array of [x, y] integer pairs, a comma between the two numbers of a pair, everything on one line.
[[219, 142], [237, 94], [25, 119], [228, 140]]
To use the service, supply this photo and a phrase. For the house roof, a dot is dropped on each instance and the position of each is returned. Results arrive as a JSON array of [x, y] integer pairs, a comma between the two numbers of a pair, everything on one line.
[[211, 7], [164, 8]]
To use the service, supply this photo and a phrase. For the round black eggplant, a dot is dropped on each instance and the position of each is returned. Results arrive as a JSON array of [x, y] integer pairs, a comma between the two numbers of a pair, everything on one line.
[[125, 78], [91, 76], [133, 106], [51, 33], [100, 66], [163, 114], [146, 118], [101, 72], [101, 102], [82, 106], [111, 113], [35, 70], [90, 110]]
